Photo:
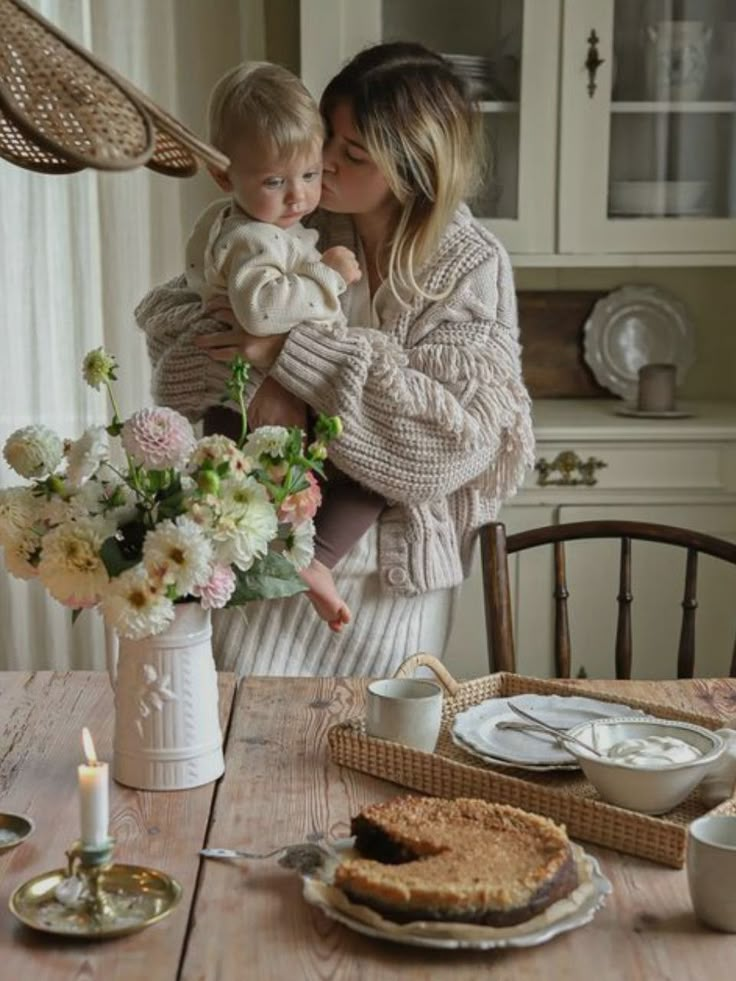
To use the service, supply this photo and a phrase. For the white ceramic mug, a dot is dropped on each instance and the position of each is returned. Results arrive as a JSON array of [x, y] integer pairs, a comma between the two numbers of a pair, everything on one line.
[[405, 710], [711, 870]]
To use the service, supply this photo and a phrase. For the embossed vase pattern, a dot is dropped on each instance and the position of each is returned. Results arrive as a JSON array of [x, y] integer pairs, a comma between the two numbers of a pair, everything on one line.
[[167, 729]]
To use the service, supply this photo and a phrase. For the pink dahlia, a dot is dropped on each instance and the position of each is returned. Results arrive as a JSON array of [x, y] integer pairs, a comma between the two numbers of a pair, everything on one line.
[[303, 505], [158, 438], [215, 593]]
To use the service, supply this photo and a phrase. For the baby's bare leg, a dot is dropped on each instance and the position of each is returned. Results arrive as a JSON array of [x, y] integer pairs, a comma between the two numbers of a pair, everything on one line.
[[324, 596]]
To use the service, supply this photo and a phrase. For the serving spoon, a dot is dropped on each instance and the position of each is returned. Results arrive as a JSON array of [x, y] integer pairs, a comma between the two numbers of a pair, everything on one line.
[[560, 734]]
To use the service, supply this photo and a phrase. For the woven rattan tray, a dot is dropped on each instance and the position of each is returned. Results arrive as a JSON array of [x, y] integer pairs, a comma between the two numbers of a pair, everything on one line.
[[566, 796]]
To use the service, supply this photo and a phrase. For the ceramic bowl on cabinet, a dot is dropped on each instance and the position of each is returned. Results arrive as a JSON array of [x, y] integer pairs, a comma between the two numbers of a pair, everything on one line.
[[648, 789]]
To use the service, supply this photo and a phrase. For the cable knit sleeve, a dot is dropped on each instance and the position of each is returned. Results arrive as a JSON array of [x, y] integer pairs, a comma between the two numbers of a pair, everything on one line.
[[183, 377], [446, 408]]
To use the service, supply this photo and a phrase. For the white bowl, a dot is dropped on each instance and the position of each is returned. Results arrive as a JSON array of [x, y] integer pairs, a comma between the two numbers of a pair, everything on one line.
[[649, 789]]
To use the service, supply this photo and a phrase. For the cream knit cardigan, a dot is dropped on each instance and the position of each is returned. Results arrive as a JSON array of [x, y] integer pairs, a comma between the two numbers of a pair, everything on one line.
[[436, 416]]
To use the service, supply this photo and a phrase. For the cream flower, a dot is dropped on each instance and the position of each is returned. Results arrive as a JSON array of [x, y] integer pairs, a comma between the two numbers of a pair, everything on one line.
[[58, 510], [71, 568], [34, 451], [243, 524], [178, 554], [98, 367], [135, 606], [270, 440], [18, 557], [300, 544], [18, 511], [85, 455], [115, 500], [158, 438], [217, 450]]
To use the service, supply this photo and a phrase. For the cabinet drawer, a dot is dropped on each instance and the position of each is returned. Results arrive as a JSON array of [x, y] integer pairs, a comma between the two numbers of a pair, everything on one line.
[[642, 466]]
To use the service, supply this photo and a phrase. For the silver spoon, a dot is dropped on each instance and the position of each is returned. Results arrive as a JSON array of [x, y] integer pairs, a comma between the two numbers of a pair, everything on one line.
[[558, 733], [306, 856]]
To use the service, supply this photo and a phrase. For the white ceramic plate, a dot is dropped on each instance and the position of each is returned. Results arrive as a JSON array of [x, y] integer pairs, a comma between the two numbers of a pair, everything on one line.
[[634, 326], [505, 764], [558, 918], [477, 727]]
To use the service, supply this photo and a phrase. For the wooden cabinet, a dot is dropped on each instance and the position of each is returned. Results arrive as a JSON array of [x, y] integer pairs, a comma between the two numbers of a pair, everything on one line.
[[680, 473], [611, 126]]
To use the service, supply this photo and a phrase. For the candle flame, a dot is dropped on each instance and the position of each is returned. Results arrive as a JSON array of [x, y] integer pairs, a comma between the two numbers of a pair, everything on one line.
[[89, 747]]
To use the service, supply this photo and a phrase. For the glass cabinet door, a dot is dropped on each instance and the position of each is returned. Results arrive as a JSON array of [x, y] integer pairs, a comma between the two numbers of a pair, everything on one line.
[[648, 131], [500, 48]]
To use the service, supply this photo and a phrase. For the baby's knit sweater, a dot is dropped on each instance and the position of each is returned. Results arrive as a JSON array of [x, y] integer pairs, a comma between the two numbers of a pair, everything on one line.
[[435, 413], [272, 276]]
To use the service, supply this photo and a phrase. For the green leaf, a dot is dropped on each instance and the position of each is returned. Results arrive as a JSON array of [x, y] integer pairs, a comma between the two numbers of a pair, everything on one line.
[[115, 559], [272, 577]]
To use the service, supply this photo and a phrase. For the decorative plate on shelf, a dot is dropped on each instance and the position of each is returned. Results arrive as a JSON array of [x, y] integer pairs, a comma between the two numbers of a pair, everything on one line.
[[572, 911], [634, 326]]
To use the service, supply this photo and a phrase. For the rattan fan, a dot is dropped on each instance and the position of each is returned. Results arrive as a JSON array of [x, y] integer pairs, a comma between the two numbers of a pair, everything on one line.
[[62, 109]]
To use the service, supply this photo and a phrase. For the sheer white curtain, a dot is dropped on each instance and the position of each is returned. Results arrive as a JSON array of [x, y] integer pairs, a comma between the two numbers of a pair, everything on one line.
[[76, 254]]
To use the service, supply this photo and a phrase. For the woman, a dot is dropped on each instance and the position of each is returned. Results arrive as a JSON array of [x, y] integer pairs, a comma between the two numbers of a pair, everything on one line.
[[427, 377]]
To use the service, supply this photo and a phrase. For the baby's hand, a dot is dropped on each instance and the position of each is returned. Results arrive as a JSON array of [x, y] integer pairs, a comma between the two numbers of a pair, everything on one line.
[[343, 261]]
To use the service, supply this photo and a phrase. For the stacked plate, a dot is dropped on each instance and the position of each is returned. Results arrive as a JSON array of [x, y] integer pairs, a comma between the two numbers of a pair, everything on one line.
[[477, 73], [482, 730]]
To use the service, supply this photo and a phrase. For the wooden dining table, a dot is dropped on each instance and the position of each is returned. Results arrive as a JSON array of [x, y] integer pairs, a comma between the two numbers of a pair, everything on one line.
[[247, 919]]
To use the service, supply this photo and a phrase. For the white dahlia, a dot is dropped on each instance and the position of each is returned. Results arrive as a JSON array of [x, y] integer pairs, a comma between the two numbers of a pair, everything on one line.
[[58, 510], [269, 440], [34, 451], [136, 606], [71, 568], [178, 554], [299, 548], [18, 511], [85, 455], [115, 500], [158, 438], [244, 524]]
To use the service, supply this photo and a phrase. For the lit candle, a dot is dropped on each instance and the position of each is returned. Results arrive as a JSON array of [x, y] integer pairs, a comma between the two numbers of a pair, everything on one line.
[[94, 803]]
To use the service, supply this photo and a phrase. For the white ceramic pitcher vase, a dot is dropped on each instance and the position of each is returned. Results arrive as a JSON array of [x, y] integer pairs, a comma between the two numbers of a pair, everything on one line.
[[167, 728]]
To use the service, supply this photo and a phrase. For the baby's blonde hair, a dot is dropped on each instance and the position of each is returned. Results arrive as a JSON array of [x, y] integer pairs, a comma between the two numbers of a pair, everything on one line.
[[420, 128], [266, 103]]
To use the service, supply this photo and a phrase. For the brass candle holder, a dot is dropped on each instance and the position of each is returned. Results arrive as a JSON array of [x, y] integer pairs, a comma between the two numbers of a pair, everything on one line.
[[86, 865], [94, 897]]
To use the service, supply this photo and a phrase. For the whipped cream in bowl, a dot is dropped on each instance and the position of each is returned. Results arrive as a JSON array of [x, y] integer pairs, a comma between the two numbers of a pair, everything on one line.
[[653, 751], [648, 764]]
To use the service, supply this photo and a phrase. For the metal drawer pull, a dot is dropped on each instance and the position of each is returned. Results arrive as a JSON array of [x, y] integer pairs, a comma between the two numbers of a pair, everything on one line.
[[572, 470]]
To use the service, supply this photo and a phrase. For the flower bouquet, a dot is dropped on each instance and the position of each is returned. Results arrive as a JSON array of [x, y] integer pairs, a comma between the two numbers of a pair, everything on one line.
[[155, 537]]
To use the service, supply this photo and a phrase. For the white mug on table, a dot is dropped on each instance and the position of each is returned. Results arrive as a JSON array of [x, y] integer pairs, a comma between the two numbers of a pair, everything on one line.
[[711, 870], [405, 710]]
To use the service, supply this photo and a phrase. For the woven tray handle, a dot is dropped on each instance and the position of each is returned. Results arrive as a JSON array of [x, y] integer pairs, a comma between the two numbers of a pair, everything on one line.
[[428, 661]]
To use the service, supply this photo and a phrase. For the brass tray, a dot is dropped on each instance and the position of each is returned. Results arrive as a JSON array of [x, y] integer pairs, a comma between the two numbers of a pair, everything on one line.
[[137, 897], [565, 796], [14, 828]]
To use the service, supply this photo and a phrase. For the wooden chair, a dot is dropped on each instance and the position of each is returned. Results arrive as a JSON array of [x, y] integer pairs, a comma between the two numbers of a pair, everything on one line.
[[496, 547]]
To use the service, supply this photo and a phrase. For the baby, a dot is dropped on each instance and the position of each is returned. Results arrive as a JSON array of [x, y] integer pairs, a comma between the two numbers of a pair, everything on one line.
[[255, 251]]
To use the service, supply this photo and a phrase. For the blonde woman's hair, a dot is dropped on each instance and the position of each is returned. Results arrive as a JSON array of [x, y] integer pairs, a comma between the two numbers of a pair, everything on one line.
[[264, 102], [421, 130]]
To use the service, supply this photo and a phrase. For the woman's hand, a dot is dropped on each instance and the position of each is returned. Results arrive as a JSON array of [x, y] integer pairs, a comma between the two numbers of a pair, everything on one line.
[[224, 345]]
